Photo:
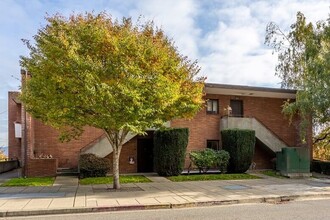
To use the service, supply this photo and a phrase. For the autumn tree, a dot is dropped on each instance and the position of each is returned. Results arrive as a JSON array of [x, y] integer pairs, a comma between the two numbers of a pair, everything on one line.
[[3, 156], [304, 64], [321, 147], [118, 76]]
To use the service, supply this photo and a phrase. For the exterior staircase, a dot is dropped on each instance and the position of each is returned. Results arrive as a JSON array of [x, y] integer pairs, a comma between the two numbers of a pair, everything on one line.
[[263, 134], [101, 146]]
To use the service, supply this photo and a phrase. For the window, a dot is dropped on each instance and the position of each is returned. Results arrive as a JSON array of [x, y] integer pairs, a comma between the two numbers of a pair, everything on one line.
[[237, 108], [213, 144], [212, 106], [18, 130]]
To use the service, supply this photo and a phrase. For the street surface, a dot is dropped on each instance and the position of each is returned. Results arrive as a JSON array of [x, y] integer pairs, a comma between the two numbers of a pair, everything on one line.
[[312, 209]]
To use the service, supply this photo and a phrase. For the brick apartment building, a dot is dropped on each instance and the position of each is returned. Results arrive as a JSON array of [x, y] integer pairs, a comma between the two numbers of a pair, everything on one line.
[[227, 106]]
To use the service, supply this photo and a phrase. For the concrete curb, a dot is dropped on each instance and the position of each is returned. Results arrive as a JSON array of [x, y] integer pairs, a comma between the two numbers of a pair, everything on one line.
[[270, 199]]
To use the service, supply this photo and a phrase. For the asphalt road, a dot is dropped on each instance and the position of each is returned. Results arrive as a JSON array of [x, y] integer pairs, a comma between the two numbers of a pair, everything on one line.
[[312, 209]]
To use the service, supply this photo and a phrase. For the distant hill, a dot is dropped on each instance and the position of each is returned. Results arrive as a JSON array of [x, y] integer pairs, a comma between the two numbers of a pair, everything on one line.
[[4, 149]]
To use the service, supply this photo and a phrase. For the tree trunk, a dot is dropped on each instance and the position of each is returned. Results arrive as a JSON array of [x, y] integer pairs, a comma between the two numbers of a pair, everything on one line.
[[116, 139], [115, 167]]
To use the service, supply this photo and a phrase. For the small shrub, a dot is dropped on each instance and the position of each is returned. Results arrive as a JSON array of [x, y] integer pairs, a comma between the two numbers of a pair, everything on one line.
[[325, 167], [316, 166], [93, 166], [240, 144], [223, 160], [209, 158], [169, 151], [204, 159], [320, 167]]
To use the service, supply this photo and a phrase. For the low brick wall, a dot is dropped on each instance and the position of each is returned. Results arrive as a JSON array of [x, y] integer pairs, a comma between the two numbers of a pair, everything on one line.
[[42, 167], [8, 165]]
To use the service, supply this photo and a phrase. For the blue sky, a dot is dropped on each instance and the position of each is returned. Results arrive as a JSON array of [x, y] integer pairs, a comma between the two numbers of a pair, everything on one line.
[[226, 37]]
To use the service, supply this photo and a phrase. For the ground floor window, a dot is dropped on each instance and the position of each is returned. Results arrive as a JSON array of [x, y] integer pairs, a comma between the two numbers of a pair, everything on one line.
[[213, 144]]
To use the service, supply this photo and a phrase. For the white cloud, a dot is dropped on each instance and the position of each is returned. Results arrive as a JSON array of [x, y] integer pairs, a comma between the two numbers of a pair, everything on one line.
[[176, 18], [237, 54]]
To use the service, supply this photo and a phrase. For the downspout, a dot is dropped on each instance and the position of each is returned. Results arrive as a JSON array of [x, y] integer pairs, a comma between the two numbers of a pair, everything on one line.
[[25, 142], [25, 146]]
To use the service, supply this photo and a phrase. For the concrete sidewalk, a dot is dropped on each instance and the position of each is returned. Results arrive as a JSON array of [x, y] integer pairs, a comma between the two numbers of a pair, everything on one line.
[[66, 196]]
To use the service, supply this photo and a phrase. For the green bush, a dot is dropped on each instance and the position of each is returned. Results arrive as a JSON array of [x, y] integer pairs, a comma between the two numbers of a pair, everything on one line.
[[316, 166], [208, 158], [223, 160], [240, 144], [204, 159], [320, 166], [169, 151], [325, 167], [93, 166]]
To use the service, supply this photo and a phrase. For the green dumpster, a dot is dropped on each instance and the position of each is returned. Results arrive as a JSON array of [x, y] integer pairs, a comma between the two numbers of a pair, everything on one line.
[[293, 161]]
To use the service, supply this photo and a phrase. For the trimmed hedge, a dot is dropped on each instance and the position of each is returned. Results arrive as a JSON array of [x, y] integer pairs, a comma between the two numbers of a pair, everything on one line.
[[223, 160], [240, 144], [169, 151], [93, 166], [209, 158], [319, 166]]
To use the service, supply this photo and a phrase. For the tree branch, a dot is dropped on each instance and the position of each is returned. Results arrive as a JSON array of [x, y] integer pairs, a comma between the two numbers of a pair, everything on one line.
[[321, 138]]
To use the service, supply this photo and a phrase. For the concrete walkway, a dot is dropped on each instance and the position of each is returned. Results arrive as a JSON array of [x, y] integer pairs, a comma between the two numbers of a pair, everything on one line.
[[155, 178], [66, 196], [66, 181]]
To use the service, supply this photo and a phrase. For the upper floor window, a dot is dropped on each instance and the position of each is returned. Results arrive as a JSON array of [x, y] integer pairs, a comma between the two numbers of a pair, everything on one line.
[[212, 106]]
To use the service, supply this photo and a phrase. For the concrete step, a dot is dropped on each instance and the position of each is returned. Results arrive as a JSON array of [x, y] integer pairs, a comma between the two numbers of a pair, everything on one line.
[[67, 172]]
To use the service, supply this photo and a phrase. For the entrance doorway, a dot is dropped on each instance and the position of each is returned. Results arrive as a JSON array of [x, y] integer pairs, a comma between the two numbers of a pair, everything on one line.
[[145, 155], [237, 108]]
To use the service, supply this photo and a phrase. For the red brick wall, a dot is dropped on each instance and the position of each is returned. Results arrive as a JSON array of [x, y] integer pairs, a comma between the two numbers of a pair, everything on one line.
[[129, 150], [46, 142], [14, 115], [269, 112], [30, 134], [262, 158], [41, 167], [205, 127]]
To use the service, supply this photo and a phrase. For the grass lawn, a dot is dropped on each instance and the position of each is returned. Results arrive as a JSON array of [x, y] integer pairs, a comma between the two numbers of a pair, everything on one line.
[[272, 173], [33, 181], [201, 177], [108, 180]]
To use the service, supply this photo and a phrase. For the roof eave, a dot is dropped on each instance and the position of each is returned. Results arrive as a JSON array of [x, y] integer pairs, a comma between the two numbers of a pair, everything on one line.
[[238, 90]]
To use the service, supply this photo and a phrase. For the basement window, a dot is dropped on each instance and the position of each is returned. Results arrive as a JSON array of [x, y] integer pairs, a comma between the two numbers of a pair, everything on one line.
[[212, 106]]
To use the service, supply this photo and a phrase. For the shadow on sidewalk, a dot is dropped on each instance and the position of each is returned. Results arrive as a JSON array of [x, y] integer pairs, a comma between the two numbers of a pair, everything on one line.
[[16, 173]]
